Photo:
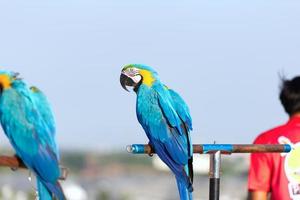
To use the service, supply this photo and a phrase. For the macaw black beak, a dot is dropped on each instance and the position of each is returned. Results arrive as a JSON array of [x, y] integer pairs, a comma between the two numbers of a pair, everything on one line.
[[126, 81]]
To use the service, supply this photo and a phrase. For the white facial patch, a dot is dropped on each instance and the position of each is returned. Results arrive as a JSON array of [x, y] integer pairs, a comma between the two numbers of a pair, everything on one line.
[[137, 78], [133, 73]]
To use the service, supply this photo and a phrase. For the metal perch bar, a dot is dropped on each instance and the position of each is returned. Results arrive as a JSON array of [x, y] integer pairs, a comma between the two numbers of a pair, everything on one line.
[[223, 148], [215, 151], [11, 161], [15, 163]]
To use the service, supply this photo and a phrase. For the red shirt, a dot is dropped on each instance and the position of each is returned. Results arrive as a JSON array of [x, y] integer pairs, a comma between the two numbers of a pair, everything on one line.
[[274, 172]]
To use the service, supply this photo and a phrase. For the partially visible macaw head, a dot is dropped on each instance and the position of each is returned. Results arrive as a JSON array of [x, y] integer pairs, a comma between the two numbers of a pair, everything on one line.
[[6, 79], [134, 75]]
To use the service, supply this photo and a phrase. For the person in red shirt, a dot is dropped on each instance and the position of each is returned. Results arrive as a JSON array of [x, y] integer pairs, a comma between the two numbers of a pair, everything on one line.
[[278, 175]]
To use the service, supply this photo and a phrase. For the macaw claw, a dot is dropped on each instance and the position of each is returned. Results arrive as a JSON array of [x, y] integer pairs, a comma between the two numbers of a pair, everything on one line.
[[150, 154]]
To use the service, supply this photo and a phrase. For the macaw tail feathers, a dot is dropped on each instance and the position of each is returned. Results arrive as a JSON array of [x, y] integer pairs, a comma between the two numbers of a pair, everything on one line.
[[185, 191], [43, 192], [47, 191]]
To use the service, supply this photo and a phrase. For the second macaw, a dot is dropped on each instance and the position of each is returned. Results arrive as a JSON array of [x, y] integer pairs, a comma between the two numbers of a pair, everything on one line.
[[166, 120], [27, 121]]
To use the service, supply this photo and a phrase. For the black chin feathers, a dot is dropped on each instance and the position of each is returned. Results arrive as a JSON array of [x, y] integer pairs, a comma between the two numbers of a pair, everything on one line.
[[136, 88], [1, 88]]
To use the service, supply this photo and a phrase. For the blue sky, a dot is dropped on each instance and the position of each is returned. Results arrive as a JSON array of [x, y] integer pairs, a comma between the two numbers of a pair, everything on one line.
[[223, 57]]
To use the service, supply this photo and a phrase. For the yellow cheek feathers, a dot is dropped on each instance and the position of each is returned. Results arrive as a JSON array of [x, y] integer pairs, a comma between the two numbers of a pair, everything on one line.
[[147, 77], [5, 81]]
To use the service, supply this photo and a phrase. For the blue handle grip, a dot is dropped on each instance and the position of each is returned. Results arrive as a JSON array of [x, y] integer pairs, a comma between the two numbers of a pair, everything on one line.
[[217, 147], [136, 149], [287, 148]]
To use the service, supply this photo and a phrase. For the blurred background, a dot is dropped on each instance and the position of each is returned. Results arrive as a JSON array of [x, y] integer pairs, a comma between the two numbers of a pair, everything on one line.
[[224, 57]]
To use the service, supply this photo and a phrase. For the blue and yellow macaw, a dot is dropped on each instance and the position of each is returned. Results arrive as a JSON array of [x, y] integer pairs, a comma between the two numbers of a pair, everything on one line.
[[166, 120], [28, 122]]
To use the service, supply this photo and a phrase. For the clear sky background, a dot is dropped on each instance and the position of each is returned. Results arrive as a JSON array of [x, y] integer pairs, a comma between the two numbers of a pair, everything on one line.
[[223, 57]]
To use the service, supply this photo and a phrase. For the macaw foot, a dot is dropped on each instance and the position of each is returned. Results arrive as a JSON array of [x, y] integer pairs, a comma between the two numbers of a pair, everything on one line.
[[14, 168], [64, 172], [150, 153], [19, 160]]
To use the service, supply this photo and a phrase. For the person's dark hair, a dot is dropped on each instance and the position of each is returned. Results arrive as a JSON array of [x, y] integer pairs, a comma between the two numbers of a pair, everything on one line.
[[290, 95]]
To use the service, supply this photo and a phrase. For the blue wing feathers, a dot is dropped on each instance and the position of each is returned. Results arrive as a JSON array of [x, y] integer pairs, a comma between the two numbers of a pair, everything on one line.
[[181, 108], [166, 120], [45, 111], [46, 165], [177, 148], [167, 107], [44, 108]]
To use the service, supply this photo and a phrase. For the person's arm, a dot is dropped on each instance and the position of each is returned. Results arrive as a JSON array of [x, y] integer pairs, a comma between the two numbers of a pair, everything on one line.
[[257, 195]]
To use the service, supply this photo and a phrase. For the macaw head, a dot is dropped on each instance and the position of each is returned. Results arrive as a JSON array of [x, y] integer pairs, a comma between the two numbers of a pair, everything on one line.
[[6, 79], [133, 75]]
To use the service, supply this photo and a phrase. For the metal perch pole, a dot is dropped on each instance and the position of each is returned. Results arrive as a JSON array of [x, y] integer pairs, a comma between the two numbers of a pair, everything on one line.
[[15, 163], [215, 151]]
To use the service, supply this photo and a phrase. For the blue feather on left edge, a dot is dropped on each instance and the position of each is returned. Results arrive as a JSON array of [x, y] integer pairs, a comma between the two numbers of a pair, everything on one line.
[[30, 129]]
